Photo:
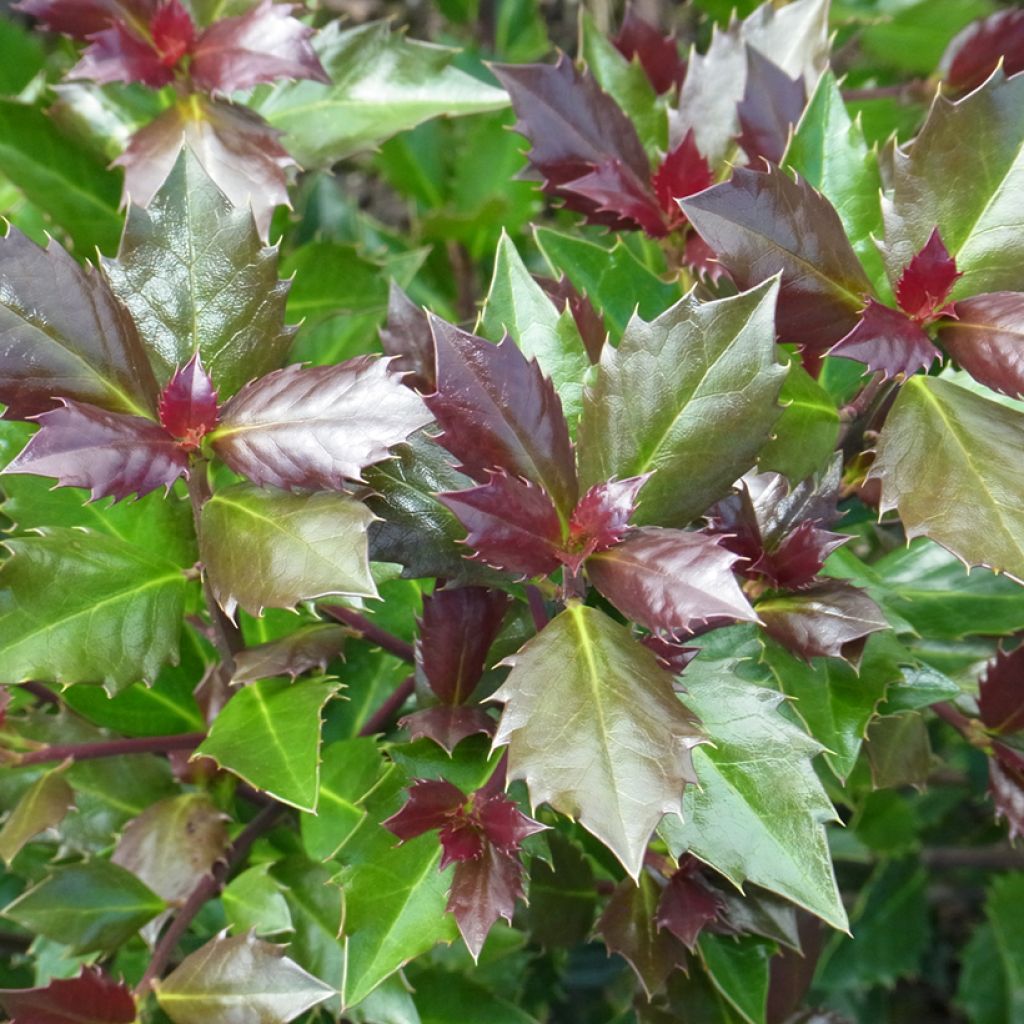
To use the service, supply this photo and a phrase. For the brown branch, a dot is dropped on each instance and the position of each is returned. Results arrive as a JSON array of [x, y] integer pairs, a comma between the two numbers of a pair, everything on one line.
[[370, 631], [381, 718], [955, 718], [993, 858], [113, 748], [42, 693]]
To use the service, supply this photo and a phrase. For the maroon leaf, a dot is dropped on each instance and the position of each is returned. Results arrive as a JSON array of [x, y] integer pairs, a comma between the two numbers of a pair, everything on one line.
[[498, 411], [484, 889], [658, 54], [823, 620], [684, 172], [686, 906], [460, 840], [601, 518], [798, 558], [316, 427], [502, 822], [80, 18], [674, 657], [759, 225], [614, 190], [772, 104], [172, 31], [888, 341], [448, 726], [973, 54], [432, 803], [1006, 784], [589, 322], [670, 581], [987, 340], [290, 655], [512, 525], [407, 337], [700, 258], [109, 453], [1001, 693], [456, 632], [928, 279], [188, 405], [118, 55], [262, 45], [91, 998]]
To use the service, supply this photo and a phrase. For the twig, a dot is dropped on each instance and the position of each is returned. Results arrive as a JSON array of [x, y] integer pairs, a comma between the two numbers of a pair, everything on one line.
[[372, 632], [381, 718], [113, 748], [42, 693], [955, 718]]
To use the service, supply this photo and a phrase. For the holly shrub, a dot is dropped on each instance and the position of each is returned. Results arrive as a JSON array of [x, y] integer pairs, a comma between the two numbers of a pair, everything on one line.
[[513, 514]]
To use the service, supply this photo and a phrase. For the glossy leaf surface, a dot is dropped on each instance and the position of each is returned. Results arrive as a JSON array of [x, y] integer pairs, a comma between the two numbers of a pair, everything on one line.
[[91, 998], [307, 648], [887, 341], [987, 340]]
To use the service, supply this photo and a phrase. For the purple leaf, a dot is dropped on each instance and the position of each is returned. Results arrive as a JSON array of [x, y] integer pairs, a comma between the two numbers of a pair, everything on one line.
[[973, 54], [407, 337], [927, 280], [498, 411], [772, 104], [675, 657], [484, 889], [822, 621], [987, 340], [460, 840], [317, 427], [589, 322], [118, 55], [80, 18], [684, 172], [431, 804], [512, 525], [1006, 784], [601, 518], [448, 726], [658, 54], [188, 405], [504, 825], [887, 341], [456, 632], [615, 191], [686, 906], [91, 998], [262, 45], [671, 581], [1001, 693], [759, 225], [109, 453]]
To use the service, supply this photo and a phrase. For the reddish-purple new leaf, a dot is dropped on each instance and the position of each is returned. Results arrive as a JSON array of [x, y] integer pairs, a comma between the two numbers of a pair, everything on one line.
[[686, 906], [987, 340], [118, 55], [91, 998], [188, 405], [671, 581], [772, 104], [448, 726], [502, 822], [76, 18], [262, 45], [675, 657], [432, 803], [927, 280], [513, 526], [684, 172], [1006, 784], [456, 632], [973, 54], [589, 322], [460, 840], [798, 558], [658, 54], [620, 199], [601, 518], [317, 427], [498, 411], [1001, 693], [888, 341], [407, 337], [108, 453], [484, 889]]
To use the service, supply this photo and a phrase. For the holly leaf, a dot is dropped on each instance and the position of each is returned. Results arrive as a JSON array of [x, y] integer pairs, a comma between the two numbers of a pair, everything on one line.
[[117, 54], [261, 45], [717, 364], [1006, 787], [589, 323], [239, 975], [291, 655], [928, 279], [938, 432], [887, 341], [269, 735], [430, 805], [686, 906], [657, 54], [407, 337], [86, 349], [565, 687], [760, 225], [316, 427], [188, 405], [76, 18], [987, 340], [271, 549], [42, 806], [670, 581], [975, 52], [683, 172], [612, 195], [483, 889], [601, 518], [771, 105], [1001, 692], [82, 607], [196, 278], [91, 998], [108, 453], [448, 726], [498, 411]]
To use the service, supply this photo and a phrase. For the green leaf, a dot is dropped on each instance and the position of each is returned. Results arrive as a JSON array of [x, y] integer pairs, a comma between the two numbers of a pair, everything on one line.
[[24, 56], [241, 979], [443, 997], [92, 906], [269, 735], [255, 901], [196, 278], [264, 548], [667, 398], [738, 968], [614, 279], [760, 811], [517, 304], [62, 178], [899, 751], [78, 607], [43, 805], [594, 727], [829, 151], [937, 434], [381, 83]]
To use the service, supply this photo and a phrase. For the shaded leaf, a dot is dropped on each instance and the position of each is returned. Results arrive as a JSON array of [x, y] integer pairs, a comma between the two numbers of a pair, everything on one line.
[[484, 888], [42, 806], [443, 995], [254, 900], [562, 895], [566, 686], [974, 52], [888, 341], [589, 323], [448, 726], [899, 751], [658, 54], [738, 968], [686, 906], [987, 339], [91, 998], [1006, 787], [1001, 692], [291, 655], [926, 282], [407, 337], [612, 195], [271, 549], [188, 404], [771, 105], [682, 173]]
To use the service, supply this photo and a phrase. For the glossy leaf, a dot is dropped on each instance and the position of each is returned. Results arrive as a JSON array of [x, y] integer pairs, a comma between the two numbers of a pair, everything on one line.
[[42, 806], [252, 980], [316, 427], [296, 547], [657, 54], [1001, 692], [448, 726], [671, 390], [771, 105], [686, 906], [484, 888], [589, 322], [936, 433], [610, 194], [306, 648], [188, 404], [91, 998], [407, 337], [682, 173], [254, 900], [567, 686], [987, 340], [975, 52], [887, 341], [601, 518], [926, 282], [269, 735], [738, 968]]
